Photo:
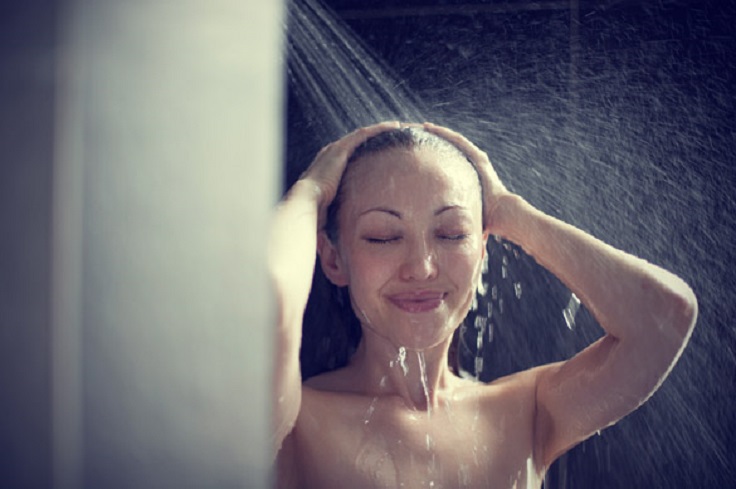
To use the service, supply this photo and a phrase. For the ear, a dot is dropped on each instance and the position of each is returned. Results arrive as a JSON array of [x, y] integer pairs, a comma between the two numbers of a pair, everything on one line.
[[332, 262], [486, 234]]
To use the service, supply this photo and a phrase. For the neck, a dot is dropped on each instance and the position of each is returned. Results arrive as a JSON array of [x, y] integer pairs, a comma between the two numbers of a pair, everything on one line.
[[419, 377]]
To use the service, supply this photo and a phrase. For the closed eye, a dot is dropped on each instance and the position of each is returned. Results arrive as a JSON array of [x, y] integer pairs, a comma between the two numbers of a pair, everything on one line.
[[454, 237], [391, 239]]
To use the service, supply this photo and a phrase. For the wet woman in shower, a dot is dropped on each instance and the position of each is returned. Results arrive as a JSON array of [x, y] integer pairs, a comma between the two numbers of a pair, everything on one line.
[[406, 236]]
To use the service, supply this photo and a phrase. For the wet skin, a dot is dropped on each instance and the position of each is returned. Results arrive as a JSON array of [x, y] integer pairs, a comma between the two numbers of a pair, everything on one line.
[[474, 437], [411, 243], [410, 247]]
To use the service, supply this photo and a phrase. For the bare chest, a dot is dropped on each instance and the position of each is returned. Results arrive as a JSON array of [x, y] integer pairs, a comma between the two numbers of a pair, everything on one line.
[[380, 444]]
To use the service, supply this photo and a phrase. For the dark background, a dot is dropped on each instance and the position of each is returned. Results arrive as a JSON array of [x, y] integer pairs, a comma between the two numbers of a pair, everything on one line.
[[618, 117]]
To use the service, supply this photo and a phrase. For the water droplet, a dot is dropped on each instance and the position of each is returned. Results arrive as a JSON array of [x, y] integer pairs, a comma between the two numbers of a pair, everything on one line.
[[425, 384], [402, 360], [480, 323], [474, 304], [570, 311], [463, 475], [482, 286], [517, 290], [370, 411]]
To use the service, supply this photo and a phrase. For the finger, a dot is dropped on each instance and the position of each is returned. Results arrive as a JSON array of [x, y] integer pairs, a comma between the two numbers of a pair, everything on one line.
[[463, 143], [342, 148], [477, 156], [337, 152], [359, 136], [327, 168]]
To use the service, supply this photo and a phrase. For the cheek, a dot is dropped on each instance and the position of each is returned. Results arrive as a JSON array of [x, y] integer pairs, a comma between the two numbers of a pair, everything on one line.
[[369, 271], [465, 263], [466, 276]]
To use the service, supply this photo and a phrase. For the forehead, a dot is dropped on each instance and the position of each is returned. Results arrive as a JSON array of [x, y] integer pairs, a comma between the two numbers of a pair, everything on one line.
[[396, 175]]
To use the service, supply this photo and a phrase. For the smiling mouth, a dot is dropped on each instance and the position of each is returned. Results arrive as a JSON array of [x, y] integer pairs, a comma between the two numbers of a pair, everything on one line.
[[418, 302]]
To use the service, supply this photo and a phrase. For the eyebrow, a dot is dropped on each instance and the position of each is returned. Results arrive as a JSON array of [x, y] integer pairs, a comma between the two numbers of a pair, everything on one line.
[[448, 207], [398, 214], [387, 210]]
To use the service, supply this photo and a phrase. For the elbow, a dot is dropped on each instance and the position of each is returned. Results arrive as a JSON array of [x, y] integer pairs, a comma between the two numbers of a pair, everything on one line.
[[686, 310], [682, 318], [673, 307], [673, 315], [681, 312]]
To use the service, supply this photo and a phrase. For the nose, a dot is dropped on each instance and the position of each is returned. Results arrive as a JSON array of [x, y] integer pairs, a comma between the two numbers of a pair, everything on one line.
[[420, 262]]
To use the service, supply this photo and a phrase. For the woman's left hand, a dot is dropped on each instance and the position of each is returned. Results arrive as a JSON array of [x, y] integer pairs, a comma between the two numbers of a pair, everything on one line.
[[493, 187]]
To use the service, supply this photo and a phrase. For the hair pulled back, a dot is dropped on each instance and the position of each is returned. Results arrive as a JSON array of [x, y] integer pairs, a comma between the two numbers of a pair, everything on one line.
[[332, 331], [406, 138]]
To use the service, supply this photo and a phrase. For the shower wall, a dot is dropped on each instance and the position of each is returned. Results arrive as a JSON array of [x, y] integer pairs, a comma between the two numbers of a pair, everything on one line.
[[140, 161]]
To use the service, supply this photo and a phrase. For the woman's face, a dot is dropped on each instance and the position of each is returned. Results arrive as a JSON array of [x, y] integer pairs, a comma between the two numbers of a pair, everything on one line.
[[411, 243]]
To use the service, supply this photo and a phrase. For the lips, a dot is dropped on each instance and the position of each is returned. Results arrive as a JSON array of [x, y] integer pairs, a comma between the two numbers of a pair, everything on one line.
[[417, 301]]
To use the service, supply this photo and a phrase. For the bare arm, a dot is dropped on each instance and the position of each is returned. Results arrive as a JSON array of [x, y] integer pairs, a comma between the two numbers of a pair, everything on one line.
[[648, 315], [292, 254]]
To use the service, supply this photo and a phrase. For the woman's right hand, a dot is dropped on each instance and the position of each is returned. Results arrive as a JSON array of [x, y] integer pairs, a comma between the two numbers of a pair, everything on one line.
[[328, 166], [292, 248]]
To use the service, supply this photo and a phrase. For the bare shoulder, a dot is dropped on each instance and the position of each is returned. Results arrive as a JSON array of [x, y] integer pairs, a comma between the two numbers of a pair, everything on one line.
[[513, 398], [518, 385], [519, 389], [512, 401], [330, 401], [340, 380], [509, 424], [323, 413]]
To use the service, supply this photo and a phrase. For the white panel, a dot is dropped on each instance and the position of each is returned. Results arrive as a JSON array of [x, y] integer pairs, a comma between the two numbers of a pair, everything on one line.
[[169, 164]]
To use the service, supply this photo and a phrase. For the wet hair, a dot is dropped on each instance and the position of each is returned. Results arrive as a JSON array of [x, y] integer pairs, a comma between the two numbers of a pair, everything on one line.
[[332, 331], [407, 138]]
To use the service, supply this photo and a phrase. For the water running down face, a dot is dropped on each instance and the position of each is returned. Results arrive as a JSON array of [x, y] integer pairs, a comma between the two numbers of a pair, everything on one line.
[[410, 242]]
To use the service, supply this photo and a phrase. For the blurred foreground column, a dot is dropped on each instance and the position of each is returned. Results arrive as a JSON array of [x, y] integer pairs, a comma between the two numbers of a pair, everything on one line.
[[167, 165]]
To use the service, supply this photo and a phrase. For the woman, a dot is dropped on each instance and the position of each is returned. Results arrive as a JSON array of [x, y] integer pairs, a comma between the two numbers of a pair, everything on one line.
[[414, 207]]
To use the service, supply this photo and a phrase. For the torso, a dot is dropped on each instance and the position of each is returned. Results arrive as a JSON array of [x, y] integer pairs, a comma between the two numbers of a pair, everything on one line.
[[483, 436]]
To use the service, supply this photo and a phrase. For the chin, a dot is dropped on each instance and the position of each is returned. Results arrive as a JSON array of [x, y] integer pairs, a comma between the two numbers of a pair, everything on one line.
[[420, 338]]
